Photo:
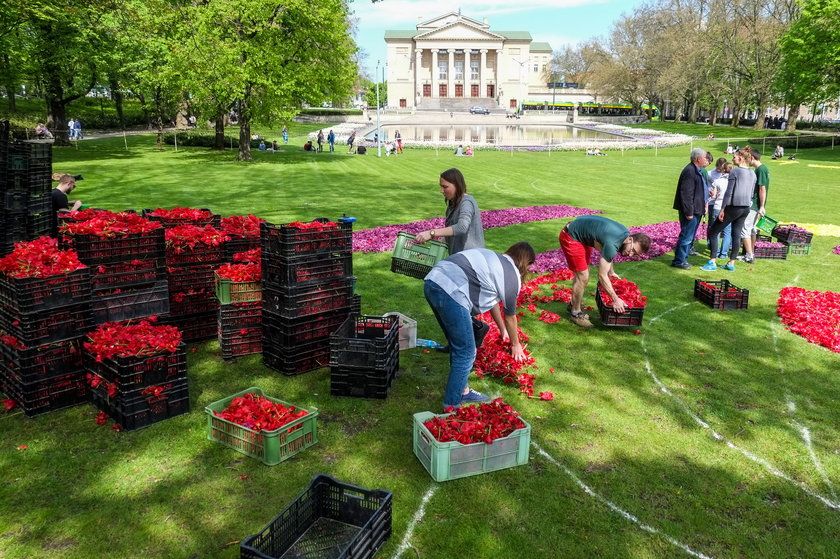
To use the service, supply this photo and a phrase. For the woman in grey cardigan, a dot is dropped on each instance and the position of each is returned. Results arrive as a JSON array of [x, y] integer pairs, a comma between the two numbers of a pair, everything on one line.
[[735, 207], [463, 229]]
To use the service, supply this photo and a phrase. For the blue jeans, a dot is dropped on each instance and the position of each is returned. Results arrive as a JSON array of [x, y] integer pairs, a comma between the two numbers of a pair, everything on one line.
[[456, 323], [725, 237], [688, 230]]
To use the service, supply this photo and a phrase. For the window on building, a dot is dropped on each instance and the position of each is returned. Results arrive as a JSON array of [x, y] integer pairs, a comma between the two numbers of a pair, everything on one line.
[[459, 69], [536, 67], [474, 69], [514, 52], [443, 65]]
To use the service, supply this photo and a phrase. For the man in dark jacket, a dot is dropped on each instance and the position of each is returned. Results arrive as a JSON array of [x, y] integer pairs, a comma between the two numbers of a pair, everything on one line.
[[690, 202]]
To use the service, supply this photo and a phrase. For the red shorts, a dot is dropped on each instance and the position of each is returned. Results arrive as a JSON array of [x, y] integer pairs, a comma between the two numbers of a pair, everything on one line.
[[577, 254]]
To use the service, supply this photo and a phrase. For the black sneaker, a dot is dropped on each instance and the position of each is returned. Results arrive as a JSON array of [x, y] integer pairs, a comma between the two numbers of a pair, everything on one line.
[[480, 330]]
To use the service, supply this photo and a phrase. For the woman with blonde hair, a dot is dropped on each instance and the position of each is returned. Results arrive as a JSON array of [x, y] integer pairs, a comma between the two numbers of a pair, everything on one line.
[[735, 207]]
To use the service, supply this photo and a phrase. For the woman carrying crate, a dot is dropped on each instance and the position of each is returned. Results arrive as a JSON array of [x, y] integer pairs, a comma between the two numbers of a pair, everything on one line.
[[469, 283], [463, 228]]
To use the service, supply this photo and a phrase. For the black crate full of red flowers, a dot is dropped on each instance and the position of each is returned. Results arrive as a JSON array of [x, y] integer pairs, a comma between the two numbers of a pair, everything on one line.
[[137, 372], [633, 299]]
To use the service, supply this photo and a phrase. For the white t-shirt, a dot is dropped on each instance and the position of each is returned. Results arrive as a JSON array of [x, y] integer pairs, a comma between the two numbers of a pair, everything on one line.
[[719, 181]]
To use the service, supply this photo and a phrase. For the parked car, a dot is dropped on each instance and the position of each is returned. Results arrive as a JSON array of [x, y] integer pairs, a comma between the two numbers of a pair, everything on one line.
[[479, 111]]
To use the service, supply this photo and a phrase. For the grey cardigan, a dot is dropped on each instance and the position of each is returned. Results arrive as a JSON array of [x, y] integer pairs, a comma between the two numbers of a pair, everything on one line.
[[465, 220], [739, 192]]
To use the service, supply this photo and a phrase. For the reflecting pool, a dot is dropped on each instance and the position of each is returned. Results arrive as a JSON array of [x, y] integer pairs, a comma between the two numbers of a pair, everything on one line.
[[494, 134]]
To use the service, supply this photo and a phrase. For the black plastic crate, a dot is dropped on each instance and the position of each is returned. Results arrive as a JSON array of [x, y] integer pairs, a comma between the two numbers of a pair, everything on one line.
[[27, 295], [365, 342], [94, 250], [198, 255], [296, 302], [237, 244], [195, 327], [47, 395], [127, 304], [38, 225], [721, 295], [306, 270], [214, 219], [345, 381], [131, 373], [131, 273], [633, 316], [294, 360], [194, 302], [771, 252], [329, 519], [136, 398], [47, 326], [296, 331], [145, 411], [42, 362], [288, 242], [183, 279], [25, 202], [786, 233], [236, 316], [244, 341]]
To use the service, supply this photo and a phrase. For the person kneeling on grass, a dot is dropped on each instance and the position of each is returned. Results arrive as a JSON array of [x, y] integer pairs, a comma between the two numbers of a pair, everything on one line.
[[469, 283], [577, 240]]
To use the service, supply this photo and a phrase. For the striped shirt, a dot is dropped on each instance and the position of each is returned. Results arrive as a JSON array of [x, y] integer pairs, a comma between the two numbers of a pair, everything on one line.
[[478, 279]]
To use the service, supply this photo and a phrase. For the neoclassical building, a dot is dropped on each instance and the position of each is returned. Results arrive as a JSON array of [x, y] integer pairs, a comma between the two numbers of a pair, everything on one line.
[[453, 61]]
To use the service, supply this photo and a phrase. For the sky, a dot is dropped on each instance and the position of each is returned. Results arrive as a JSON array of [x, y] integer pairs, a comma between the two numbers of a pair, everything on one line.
[[557, 22]]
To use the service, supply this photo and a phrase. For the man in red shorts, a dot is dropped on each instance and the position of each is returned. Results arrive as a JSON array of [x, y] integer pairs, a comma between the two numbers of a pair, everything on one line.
[[578, 239]]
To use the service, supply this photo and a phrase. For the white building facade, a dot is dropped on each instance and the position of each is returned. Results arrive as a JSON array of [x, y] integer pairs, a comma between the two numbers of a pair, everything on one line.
[[454, 62]]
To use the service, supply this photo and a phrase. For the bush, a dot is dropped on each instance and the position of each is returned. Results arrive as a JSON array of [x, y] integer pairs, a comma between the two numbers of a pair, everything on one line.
[[806, 142], [330, 112], [202, 140], [823, 126]]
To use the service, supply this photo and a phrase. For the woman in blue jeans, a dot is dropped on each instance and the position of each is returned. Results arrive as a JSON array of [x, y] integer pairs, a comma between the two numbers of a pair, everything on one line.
[[470, 283], [719, 179]]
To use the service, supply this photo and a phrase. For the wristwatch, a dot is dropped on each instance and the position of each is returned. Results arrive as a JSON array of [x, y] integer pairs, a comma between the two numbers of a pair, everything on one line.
[[432, 232]]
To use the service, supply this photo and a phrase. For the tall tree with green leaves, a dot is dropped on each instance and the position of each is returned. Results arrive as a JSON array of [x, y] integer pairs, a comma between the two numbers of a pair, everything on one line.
[[266, 57], [809, 71]]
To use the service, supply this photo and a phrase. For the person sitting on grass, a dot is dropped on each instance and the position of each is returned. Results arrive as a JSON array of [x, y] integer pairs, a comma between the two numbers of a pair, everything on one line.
[[578, 239], [308, 146]]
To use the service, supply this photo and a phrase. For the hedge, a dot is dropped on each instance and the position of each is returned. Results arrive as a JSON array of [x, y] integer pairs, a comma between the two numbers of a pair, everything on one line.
[[203, 140]]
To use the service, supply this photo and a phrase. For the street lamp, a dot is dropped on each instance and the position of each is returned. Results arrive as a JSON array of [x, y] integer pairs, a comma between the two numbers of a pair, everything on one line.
[[378, 141]]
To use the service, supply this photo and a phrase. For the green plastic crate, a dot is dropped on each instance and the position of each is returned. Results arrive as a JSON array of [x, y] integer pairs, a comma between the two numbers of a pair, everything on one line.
[[453, 460], [270, 447], [799, 248], [228, 291], [415, 260], [766, 223]]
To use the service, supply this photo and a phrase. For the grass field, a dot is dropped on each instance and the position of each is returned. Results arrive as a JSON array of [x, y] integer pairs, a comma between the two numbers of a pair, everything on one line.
[[710, 434]]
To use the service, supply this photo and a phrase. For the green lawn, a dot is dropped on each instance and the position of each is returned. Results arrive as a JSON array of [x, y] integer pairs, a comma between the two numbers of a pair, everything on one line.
[[709, 434]]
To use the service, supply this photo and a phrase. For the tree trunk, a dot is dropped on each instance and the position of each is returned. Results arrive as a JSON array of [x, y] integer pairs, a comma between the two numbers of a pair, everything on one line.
[[245, 127], [713, 112], [10, 83], [692, 112], [56, 110], [159, 111], [219, 139], [736, 115], [793, 115], [117, 97], [759, 116]]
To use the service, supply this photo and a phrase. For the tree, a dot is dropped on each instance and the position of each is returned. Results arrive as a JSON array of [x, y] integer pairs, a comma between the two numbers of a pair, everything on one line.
[[809, 71]]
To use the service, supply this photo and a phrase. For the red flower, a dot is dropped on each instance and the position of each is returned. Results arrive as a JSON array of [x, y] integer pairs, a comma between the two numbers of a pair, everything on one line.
[[814, 315], [242, 225], [260, 414], [116, 427], [627, 291], [546, 396], [101, 418], [251, 272], [39, 259], [482, 423], [142, 339], [8, 404]]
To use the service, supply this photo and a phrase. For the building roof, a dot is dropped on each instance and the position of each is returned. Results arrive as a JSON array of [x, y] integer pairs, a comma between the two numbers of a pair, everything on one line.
[[514, 35], [401, 33], [540, 47]]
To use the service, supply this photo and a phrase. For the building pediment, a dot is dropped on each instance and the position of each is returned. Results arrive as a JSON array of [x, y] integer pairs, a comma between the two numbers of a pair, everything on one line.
[[458, 31], [447, 19]]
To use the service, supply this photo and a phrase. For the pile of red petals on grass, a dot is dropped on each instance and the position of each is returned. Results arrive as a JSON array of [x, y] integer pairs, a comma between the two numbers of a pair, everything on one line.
[[182, 214], [242, 225], [141, 339], [259, 413], [110, 225], [627, 291], [482, 423], [253, 255], [493, 358], [250, 272], [182, 238], [39, 259], [381, 239], [814, 315], [531, 292]]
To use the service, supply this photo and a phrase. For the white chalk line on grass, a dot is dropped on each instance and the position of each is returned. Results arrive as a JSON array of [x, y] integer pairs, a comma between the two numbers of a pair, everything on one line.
[[418, 516], [717, 436], [535, 187], [615, 508]]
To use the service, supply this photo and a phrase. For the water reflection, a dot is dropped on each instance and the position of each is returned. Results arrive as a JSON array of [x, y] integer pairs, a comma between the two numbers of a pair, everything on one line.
[[500, 134]]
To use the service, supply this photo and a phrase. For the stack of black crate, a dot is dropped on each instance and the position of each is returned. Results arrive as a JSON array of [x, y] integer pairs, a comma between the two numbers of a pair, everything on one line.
[[42, 323], [193, 306], [25, 184], [307, 292], [127, 273], [365, 356], [139, 391]]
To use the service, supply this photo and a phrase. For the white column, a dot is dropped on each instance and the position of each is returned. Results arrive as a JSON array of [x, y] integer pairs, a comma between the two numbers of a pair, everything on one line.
[[450, 74], [482, 74], [435, 73], [499, 75], [467, 73], [418, 87]]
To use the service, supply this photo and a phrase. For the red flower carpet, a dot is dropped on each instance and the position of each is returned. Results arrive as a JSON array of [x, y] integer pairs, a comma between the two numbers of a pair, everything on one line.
[[814, 315]]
